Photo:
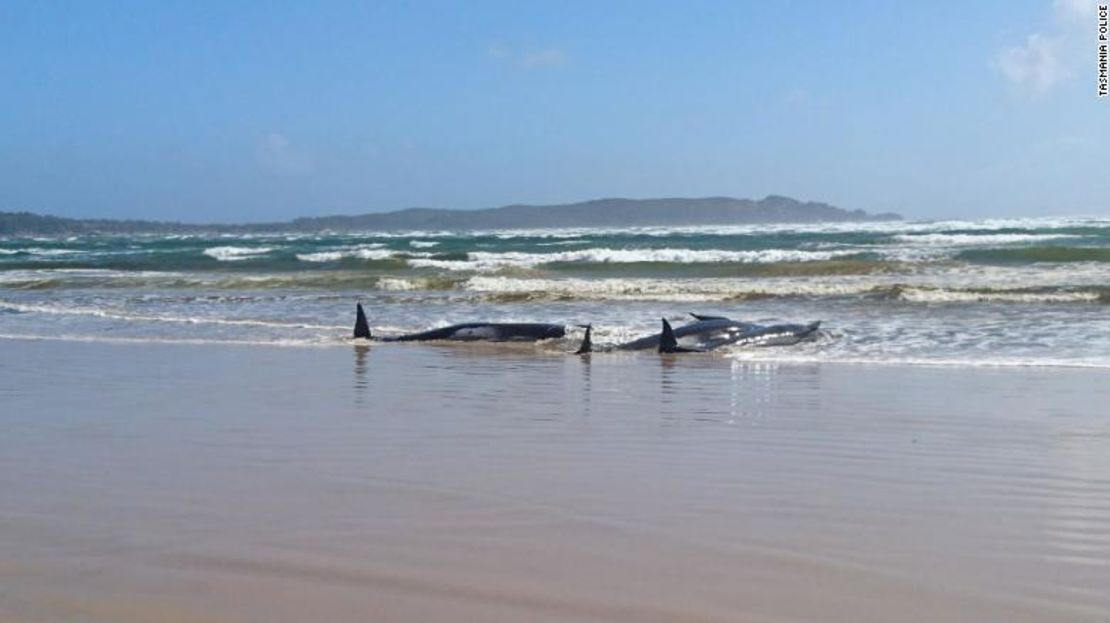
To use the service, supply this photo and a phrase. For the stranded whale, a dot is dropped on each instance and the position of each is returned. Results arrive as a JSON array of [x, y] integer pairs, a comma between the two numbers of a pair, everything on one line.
[[703, 334], [468, 331], [710, 332]]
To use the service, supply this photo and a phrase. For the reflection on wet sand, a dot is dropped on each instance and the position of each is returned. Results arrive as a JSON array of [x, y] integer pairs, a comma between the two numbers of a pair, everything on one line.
[[361, 383], [508, 484]]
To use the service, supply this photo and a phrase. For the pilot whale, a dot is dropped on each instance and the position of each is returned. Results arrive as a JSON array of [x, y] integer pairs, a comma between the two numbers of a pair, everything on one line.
[[706, 333], [467, 332], [755, 335]]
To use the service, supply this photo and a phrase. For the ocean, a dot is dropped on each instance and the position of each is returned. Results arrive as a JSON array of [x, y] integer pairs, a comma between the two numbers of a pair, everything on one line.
[[998, 292]]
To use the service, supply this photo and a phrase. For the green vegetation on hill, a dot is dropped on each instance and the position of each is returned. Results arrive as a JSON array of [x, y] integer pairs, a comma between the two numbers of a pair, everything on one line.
[[596, 213]]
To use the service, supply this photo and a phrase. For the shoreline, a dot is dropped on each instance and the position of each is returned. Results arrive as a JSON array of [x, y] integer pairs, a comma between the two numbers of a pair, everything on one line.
[[543, 349]]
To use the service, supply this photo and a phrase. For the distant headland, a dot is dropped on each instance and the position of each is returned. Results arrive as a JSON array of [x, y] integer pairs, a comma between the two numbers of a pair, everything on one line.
[[596, 213]]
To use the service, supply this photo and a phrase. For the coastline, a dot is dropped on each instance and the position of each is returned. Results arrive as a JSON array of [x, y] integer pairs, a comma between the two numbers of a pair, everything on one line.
[[422, 482]]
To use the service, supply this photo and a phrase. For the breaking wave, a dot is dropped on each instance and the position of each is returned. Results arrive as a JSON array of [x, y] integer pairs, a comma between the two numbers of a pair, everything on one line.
[[976, 239], [100, 312], [508, 289], [365, 252], [1013, 290], [484, 260], [236, 254]]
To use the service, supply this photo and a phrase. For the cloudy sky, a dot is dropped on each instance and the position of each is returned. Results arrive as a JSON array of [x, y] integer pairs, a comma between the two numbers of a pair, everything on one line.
[[203, 111]]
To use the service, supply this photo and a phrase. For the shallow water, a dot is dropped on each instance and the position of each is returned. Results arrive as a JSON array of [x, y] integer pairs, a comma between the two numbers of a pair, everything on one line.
[[1010, 292], [501, 482]]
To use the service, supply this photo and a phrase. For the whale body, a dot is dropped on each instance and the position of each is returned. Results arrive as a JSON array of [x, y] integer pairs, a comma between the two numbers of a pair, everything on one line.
[[706, 333], [467, 331], [485, 331]]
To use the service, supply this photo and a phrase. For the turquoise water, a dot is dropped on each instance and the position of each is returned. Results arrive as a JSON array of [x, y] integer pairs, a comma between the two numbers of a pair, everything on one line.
[[1008, 292]]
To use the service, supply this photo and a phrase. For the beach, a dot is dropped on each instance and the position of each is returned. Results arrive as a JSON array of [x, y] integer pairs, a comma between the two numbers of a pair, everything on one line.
[[147, 481], [554, 312]]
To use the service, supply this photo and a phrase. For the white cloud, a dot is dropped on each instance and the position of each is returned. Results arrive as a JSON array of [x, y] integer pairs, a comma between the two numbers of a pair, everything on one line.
[[277, 155], [1050, 57], [1036, 66], [1075, 9], [528, 59]]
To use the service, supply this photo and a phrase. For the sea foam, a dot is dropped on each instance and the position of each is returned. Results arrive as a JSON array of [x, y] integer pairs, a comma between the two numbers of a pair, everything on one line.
[[236, 254]]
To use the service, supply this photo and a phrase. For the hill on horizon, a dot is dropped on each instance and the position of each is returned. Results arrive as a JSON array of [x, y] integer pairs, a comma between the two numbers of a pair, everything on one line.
[[595, 213]]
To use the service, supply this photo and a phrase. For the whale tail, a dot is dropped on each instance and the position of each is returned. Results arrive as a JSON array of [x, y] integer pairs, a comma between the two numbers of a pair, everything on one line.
[[587, 345], [362, 328], [668, 343]]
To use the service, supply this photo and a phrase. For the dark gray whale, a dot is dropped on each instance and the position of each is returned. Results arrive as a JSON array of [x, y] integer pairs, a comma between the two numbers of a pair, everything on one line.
[[468, 331], [706, 332], [710, 332]]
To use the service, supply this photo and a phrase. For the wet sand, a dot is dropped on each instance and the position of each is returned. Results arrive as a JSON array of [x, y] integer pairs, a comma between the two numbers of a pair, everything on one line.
[[422, 483]]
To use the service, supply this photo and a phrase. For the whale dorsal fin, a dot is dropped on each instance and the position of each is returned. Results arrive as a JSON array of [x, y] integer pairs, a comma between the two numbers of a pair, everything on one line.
[[587, 345], [362, 328], [668, 343], [701, 317]]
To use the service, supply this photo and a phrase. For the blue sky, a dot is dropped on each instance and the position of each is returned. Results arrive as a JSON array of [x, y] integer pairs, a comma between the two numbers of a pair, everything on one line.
[[224, 111]]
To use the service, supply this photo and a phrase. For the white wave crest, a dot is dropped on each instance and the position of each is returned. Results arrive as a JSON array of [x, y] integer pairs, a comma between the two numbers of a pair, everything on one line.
[[975, 239], [367, 252], [930, 295], [484, 260], [98, 339], [398, 284], [666, 289], [563, 243], [774, 357], [986, 287], [236, 254], [111, 314], [422, 244], [760, 229], [47, 252]]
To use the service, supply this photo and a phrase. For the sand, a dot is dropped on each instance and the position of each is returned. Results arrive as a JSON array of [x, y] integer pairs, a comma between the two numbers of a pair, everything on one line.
[[158, 482]]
